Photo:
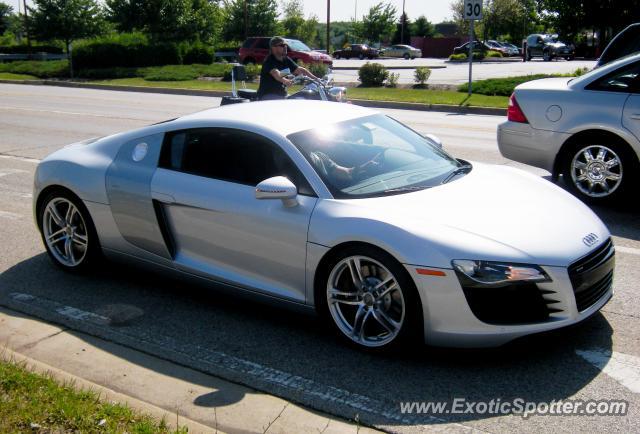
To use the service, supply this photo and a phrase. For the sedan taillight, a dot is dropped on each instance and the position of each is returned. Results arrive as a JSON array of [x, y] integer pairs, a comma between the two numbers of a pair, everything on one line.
[[514, 112]]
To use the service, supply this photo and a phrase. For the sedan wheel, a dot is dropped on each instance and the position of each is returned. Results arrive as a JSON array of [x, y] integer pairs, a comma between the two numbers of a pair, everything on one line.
[[67, 231], [370, 299], [596, 172], [546, 56], [406, 56]]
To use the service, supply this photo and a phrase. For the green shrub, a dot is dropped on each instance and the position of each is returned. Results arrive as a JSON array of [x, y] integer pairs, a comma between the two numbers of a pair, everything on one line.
[[317, 69], [580, 71], [479, 55], [106, 73], [38, 68], [196, 53], [392, 80], [460, 56], [372, 74], [493, 53], [252, 72], [421, 75], [499, 86]]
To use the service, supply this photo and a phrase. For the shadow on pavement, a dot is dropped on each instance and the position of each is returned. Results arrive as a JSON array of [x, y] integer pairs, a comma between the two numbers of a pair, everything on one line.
[[292, 355]]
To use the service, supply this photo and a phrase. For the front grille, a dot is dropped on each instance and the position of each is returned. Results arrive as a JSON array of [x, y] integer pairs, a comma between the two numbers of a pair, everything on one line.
[[592, 276], [508, 305]]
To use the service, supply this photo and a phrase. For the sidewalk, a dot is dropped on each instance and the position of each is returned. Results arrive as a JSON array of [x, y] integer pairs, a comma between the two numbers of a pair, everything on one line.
[[184, 397]]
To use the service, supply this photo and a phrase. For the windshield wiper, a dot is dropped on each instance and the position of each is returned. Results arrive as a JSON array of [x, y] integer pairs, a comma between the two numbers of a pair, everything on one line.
[[455, 172], [400, 189]]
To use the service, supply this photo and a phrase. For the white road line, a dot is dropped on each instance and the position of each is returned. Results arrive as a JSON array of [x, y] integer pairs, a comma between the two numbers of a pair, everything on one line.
[[629, 250], [62, 112], [7, 172], [623, 368], [10, 215], [19, 158]]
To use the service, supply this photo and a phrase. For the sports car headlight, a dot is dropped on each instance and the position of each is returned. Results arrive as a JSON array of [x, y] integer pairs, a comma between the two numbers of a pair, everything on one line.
[[488, 273]]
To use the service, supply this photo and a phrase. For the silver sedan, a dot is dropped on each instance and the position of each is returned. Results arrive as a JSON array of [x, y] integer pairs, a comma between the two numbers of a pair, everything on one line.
[[336, 209], [586, 129]]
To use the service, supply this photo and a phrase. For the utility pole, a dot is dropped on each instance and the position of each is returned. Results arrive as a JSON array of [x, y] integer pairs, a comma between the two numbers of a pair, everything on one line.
[[403, 18], [328, 26], [26, 28]]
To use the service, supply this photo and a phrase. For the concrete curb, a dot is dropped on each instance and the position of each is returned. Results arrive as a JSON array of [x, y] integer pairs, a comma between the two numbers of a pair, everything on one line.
[[492, 111], [105, 393]]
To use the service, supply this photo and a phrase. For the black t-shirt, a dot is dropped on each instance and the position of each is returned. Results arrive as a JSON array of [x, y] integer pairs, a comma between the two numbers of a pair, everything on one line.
[[268, 84]]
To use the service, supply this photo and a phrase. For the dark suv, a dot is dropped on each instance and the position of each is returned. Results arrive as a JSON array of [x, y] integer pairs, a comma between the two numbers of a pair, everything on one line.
[[255, 49], [548, 47], [360, 51]]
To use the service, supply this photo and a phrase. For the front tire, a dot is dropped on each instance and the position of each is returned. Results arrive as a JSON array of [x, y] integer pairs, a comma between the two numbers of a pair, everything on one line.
[[407, 56], [600, 172], [370, 299], [546, 56], [67, 231]]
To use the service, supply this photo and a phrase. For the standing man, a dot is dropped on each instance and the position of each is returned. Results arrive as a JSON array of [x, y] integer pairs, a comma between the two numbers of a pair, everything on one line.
[[276, 67]]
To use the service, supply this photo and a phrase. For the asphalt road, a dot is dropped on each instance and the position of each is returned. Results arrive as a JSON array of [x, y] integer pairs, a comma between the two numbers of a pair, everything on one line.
[[290, 354]]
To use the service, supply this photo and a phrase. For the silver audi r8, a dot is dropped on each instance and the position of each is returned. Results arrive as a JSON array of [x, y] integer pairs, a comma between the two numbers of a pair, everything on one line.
[[335, 208]]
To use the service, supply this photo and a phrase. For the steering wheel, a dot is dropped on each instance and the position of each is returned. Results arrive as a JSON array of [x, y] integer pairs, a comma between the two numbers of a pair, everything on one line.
[[371, 165]]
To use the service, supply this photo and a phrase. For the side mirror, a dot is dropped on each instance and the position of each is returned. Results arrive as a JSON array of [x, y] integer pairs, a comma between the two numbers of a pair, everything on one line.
[[278, 187], [435, 139]]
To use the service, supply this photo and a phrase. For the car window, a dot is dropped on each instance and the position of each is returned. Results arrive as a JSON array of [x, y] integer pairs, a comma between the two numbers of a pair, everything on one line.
[[263, 43], [296, 45], [229, 155], [625, 79], [248, 43]]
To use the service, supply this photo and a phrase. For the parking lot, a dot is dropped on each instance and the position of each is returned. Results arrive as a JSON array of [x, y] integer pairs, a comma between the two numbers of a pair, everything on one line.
[[445, 72], [292, 355]]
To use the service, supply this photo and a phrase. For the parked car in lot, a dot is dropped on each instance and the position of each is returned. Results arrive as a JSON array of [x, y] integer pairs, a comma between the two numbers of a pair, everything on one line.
[[624, 43], [404, 51], [256, 49], [548, 47], [477, 46], [361, 51], [497, 46], [515, 50], [587, 129], [334, 208]]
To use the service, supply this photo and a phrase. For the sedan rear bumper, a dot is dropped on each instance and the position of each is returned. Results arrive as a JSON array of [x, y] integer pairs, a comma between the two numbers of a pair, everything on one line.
[[522, 143]]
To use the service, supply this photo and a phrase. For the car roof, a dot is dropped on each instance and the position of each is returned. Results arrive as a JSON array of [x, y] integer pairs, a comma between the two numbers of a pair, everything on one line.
[[603, 70], [283, 117]]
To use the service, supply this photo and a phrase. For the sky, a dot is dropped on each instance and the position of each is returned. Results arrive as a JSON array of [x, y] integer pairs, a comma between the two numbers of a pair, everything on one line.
[[343, 10]]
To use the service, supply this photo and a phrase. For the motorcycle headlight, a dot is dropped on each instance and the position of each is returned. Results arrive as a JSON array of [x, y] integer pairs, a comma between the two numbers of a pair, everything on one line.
[[338, 94], [489, 273]]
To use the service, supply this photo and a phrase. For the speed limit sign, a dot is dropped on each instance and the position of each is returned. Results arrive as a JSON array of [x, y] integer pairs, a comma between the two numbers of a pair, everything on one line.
[[472, 9]]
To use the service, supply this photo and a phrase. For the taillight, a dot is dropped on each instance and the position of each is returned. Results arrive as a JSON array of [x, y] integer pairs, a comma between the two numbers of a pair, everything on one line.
[[514, 112]]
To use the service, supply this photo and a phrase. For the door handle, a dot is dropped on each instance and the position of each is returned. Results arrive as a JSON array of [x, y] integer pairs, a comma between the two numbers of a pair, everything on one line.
[[635, 116]]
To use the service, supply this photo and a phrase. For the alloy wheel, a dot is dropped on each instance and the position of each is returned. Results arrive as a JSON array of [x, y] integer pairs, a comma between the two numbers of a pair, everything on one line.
[[366, 301], [596, 171], [65, 232]]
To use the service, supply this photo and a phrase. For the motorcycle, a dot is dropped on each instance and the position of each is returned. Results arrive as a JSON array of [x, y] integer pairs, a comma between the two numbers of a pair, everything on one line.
[[321, 89]]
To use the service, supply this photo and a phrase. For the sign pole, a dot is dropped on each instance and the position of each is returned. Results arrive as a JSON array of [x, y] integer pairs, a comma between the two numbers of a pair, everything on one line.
[[471, 43]]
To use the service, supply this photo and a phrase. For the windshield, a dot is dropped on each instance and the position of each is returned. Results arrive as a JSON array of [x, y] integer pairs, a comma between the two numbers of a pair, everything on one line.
[[374, 156], [550, 39], [296, 45]]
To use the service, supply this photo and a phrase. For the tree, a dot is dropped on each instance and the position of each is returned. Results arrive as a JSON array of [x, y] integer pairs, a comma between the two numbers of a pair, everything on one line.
[[66, 20], [502, 19], [378, 24], [422, 27], [262, 18], [6, 11], [295, 26], [168, 20], [402, 36]]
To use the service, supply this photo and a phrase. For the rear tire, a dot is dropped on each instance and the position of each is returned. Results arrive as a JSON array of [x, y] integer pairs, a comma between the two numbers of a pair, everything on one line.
[[600, 171], [67, 231], [407, 56], [546, 56]]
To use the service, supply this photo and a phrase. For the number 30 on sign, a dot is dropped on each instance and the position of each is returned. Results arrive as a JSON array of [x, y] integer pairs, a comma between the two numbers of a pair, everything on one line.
[[472, 9]]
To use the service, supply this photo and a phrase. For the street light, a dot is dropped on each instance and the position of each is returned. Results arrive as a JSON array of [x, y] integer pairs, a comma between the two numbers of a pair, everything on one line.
[[328, 26], [402, 20]]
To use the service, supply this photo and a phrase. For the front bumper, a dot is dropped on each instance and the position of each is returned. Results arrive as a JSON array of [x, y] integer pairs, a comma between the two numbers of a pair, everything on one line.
[[450, 322], [522, 143]]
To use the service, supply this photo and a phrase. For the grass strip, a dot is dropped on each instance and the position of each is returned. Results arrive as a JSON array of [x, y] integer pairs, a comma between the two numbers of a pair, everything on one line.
[[32, 402], [422, 96], [12, 76]]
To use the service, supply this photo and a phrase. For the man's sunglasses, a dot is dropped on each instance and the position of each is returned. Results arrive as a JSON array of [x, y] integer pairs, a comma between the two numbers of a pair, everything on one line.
[[280, 45]]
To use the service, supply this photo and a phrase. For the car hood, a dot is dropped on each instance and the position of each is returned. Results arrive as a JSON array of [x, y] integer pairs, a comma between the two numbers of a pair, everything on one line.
[[317, 55], [557, 44], [494, 213]]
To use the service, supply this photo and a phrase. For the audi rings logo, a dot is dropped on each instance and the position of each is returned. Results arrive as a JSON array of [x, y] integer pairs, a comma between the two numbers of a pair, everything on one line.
[[590, 239]]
